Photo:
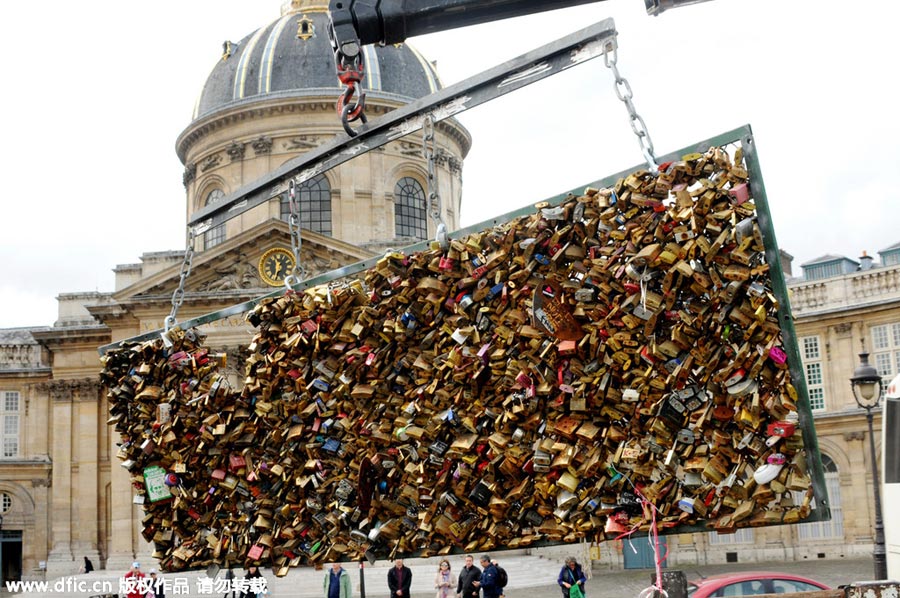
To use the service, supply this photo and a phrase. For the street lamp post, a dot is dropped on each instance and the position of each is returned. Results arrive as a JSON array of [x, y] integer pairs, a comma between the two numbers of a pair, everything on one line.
[[866, 385]]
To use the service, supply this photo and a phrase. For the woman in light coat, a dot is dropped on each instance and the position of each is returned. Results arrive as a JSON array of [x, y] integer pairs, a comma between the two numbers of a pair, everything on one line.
[[443, 580]]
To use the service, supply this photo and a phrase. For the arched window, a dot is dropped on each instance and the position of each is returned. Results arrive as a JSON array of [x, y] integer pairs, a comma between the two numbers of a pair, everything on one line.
[[315, 205], [409, 209], [820, 530], [216, 234]]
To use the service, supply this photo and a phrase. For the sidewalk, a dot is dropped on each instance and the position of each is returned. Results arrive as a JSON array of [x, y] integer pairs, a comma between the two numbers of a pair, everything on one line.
[[530, 577]]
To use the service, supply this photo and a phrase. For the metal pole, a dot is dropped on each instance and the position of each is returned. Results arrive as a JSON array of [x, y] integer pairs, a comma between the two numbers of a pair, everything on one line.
[[362, 577], [550, 59], [878, 553]]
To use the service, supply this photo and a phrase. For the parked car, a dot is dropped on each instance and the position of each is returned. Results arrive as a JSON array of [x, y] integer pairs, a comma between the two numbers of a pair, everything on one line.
[[751, 583]]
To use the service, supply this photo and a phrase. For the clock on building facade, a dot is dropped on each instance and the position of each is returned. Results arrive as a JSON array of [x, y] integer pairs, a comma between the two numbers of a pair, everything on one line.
[[275, 264]]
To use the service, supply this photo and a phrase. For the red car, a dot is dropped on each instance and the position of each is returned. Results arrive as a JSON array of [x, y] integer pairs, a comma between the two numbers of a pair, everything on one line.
[[751, 583]]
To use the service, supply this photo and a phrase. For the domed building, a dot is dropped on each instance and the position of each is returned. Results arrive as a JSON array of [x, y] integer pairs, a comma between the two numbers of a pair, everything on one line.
[[271, 97]]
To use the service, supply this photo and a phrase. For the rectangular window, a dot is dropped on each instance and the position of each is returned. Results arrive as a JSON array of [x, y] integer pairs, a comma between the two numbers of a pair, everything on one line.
[[883, 364], [886, 350], [214, 236], [812, 365], [880, 337], [9, 432], [741, 536], [814, 374], [810, 347], [822, 530], [820, 271]]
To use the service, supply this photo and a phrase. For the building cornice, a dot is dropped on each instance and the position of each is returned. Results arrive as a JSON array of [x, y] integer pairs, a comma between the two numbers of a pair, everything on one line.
[[36, 471], [206, 264], [294, 101], [51, 337], [111, 312], [864, 290], [34, 372], [68, 390], [844, 312], [850, 415]]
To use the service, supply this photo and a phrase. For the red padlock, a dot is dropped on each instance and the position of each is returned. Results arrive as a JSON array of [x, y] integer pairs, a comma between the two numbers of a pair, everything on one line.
[[781, 428]]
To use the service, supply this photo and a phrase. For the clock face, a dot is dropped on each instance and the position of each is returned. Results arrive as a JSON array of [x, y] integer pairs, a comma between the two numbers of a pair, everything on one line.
[[274, 265]]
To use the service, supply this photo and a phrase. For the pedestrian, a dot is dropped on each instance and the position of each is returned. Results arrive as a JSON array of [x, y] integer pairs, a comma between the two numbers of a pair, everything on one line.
[[490, 582], [229, 579], [157, 586], [88, 566], [399, 579], [337, 582], [134, 585], [253, 585], [571, 575], [469, 577], [443, 580], [502, 577]]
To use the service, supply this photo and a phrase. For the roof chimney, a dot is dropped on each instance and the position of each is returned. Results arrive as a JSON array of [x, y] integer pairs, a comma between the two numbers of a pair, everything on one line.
[[865, 261]]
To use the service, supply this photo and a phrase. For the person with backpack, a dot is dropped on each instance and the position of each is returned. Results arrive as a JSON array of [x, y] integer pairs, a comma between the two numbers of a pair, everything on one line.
[[489, 582], [571, 575], [502, 577]]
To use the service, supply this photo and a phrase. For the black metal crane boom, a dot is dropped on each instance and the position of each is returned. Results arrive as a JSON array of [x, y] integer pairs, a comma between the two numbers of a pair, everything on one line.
[[393, 21], [355, 23]]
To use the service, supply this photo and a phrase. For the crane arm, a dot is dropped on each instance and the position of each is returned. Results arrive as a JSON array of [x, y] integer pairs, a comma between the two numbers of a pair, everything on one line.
[[355, 23], [362, 22]]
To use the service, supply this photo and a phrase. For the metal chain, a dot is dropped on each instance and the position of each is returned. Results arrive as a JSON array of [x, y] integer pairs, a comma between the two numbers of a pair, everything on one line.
[[623, 92], [178, 295], [434, 207], [351, 70], [299, 272]]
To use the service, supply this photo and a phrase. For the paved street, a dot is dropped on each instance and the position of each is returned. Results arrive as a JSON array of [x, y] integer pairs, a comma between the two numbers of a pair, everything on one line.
[[624, 584], [616, 584]]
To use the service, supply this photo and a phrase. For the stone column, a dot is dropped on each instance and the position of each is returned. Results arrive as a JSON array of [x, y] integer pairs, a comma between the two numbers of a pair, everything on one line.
[[41, 493], [61, 559], [857, 514], [85, 431], [122, 543]]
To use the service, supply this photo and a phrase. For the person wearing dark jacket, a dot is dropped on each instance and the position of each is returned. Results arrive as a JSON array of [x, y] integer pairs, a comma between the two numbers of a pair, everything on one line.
[[571, 574], [490, 580], [250, 587], [157, 586], [88, 565], [469, 579], [399, 580]]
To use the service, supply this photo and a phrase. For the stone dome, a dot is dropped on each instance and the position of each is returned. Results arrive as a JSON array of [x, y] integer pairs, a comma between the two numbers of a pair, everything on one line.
[[292, 56]]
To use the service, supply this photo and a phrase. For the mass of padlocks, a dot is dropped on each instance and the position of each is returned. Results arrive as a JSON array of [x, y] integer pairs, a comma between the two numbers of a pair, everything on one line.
[[572, 374]]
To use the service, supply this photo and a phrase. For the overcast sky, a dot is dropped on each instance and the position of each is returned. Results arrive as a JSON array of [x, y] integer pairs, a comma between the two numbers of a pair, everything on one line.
[[96, 92]]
